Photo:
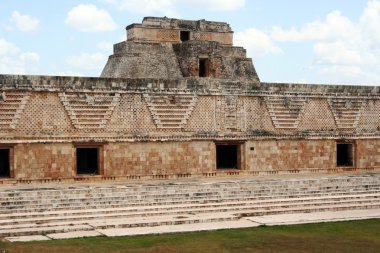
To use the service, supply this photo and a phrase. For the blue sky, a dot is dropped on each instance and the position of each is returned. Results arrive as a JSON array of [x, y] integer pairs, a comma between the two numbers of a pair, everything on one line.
[[298, 41]]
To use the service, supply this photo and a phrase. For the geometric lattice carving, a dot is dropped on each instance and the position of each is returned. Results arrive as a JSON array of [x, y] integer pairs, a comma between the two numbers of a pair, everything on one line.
[[168, 35], [12, 105], [346, 112], [89, 110], [170, 111], [285, 112]]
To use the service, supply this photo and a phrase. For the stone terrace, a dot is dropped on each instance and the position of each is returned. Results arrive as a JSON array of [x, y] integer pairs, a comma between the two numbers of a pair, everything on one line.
[[75, 210]]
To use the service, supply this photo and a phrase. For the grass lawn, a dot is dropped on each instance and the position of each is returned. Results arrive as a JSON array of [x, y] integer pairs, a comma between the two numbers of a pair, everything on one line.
[[352, 236]]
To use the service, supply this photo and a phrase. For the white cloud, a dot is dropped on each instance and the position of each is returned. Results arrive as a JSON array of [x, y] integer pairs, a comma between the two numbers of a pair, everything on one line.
[[334, 26], [256, 42], [370, 23], [349, 75], [344, 50], [14, 61], [171, 8], [87, 61], [337, 53], [7, 48], [88, 18], [23, 22]]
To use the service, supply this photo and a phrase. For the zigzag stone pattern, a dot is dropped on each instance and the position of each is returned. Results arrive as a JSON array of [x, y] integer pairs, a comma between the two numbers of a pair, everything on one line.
[[170, 111], [346, 112], [12, 105], [285, 112], [89, 110]]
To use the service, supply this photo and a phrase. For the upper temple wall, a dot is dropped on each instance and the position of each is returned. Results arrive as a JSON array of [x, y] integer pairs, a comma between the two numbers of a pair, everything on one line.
[[56, 109], [159, 30]]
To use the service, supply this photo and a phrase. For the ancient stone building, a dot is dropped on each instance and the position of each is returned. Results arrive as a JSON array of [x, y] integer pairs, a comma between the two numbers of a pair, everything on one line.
[[175, 100]]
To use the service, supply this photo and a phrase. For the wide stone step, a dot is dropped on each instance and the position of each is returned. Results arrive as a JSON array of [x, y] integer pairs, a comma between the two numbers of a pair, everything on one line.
[[258, 183], [309, 210], [43, 230], [89, 207], [47, 217], [150, 221], [118, 223], [264, 182], [88, 193], [72, 204], [99, 203]]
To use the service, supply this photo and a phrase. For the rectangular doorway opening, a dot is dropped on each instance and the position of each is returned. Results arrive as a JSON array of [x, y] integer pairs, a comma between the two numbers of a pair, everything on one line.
[[344, 154], [203, 67], [184, 35], [4, 163], [227, 156], [88, 161]]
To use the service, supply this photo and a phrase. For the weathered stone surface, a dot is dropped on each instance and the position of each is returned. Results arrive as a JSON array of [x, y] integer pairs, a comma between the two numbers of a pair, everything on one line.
[[142, 60], [157, 48], [153, 115]]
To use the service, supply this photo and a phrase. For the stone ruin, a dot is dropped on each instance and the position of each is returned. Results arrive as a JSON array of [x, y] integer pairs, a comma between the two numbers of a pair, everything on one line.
[[178, 100]]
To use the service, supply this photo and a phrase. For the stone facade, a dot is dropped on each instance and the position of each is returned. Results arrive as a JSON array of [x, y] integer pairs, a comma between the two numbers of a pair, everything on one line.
[[171, 48], [151, 115]]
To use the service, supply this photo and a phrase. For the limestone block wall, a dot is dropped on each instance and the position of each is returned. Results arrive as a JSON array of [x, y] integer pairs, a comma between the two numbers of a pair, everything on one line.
[[185, 158], [277, 155], [223, 62], [44, 160], [170, 127], [58, 160], [158, 30], [368, 153], [165, 158]]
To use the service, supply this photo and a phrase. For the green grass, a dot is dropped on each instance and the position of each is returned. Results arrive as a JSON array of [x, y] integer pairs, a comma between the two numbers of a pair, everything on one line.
[[353, 236]]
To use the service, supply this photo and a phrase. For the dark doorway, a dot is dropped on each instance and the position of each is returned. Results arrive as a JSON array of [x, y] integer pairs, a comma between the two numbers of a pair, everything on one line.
[[87, 161], [344, 154], [203, 67], [185, 35], [4, 163], [227, 157]]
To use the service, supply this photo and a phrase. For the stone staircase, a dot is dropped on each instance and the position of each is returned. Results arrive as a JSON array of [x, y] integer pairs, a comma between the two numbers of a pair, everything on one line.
[[67, 208]]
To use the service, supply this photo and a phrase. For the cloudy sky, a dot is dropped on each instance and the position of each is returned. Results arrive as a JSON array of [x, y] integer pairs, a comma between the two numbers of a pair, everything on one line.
[[298, 41]]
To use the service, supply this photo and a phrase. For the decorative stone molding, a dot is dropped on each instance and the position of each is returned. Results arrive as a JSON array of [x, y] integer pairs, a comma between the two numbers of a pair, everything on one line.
[[170, 111], [89, 110], [346, 112], [12, 105], [285, 112], [230, 113]]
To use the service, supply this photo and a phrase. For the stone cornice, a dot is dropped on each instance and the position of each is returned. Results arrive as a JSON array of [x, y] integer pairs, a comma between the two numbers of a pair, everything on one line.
[[195, 137]]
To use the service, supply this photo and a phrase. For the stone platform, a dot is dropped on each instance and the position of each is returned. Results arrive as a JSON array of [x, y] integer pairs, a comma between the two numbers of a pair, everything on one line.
[[45, 211]]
